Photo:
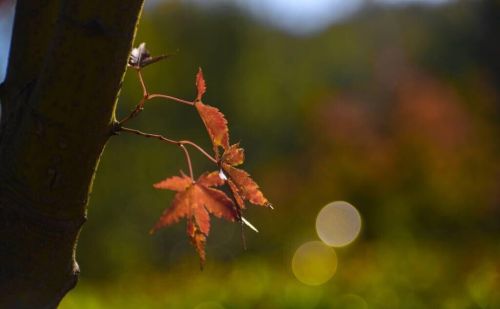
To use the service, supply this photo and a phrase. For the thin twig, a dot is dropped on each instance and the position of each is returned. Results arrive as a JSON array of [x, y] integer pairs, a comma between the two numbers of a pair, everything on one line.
[[167, 140], [139, 107], [167, 97], [149, 135]]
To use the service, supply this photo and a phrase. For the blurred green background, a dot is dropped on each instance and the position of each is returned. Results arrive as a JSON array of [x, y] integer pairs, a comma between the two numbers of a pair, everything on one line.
[[394, 109]]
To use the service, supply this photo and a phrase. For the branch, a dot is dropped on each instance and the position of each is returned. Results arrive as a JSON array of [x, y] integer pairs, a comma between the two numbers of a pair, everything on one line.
[[148, 135]]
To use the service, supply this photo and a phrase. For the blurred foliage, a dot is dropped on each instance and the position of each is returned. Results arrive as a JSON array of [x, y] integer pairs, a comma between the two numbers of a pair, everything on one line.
[[394, 110]]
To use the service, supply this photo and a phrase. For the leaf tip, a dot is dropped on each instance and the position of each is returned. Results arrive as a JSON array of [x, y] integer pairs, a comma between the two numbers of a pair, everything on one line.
[[201, 86]]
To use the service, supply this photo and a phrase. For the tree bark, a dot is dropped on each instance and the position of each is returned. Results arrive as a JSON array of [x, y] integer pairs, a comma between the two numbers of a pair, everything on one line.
[[66, 65]]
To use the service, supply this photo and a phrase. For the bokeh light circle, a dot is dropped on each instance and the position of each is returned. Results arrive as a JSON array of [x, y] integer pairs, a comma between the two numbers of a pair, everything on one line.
[[314, 263], [338, 224]]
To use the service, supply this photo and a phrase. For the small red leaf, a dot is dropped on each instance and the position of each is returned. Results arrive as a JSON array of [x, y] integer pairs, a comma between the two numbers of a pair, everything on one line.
[[196, 201], [234, 155], [200, 85], [247, 188], [216, 125], [240, 183]]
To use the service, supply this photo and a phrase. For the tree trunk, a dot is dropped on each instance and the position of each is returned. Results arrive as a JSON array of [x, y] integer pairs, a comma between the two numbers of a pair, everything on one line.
[[66, 65]]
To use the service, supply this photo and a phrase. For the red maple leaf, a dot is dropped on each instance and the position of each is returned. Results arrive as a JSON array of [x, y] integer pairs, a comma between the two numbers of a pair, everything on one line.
[[195, 201], [212, 118], [216, 125], [241, 184]]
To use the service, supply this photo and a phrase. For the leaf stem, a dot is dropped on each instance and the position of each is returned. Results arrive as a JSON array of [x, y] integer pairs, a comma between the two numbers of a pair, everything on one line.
[[168, 97], [200, 150], [188, 159]]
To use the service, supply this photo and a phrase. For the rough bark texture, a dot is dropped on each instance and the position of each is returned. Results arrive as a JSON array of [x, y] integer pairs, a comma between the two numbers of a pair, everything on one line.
[[66, 65]]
